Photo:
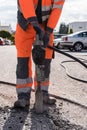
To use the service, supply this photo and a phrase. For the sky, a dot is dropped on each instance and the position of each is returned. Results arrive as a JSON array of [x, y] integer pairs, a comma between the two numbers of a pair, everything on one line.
[[73, 10]]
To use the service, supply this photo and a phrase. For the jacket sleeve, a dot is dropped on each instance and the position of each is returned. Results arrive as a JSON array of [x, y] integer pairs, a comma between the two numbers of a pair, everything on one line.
[[55, 15], [27, 9]]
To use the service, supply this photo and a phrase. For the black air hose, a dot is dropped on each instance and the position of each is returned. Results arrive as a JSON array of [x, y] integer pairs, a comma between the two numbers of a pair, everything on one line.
[[68, 55], [69, 75]]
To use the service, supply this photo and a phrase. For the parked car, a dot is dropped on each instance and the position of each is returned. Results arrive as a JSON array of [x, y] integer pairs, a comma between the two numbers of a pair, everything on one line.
[[1, 41], [57, 39], [7, 42], [75, 41]]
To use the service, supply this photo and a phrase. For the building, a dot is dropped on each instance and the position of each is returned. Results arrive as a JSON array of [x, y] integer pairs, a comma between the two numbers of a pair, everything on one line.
[[6, 28], [77, 26]]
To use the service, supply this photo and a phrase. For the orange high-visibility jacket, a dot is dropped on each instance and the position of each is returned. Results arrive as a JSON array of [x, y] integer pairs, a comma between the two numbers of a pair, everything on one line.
[[51, 10]]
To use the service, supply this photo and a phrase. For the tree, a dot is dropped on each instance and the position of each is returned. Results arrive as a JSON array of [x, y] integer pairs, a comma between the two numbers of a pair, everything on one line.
[[71, 31], [5, 34], [63, 28]]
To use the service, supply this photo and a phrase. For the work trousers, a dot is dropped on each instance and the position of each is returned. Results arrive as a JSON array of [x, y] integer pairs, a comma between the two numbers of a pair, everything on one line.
[[24, 41]]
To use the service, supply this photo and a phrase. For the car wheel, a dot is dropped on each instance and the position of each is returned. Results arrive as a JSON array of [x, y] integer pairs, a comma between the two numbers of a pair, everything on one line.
[[78, 47]]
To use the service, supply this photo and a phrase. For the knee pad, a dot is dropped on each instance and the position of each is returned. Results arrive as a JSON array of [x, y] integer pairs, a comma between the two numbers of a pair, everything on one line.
[[22, 68]]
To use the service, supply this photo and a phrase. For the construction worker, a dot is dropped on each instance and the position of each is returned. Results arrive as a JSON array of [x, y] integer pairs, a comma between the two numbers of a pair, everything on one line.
[[34, 17]]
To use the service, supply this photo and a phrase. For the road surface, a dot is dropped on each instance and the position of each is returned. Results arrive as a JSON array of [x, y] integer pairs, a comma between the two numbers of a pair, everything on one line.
[[63, 116]]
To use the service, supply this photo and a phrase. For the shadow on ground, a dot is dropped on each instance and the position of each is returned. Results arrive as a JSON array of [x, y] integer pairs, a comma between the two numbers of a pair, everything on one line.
[[15, 118], [27, 119]]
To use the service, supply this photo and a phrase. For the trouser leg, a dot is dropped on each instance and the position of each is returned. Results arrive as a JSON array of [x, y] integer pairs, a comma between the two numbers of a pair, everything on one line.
[[24, 41], [44, 84], [24, 78]]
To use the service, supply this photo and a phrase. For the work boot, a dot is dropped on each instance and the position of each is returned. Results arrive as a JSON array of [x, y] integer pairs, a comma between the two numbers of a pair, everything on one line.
[[47, 99], [23, 100], [21, 103]]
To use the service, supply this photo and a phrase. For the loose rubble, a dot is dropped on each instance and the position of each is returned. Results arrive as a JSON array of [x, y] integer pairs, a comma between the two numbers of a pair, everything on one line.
[[27, 119]]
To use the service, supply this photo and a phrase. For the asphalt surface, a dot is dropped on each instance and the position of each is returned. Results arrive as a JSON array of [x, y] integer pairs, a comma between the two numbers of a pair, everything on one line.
[[65, 115]]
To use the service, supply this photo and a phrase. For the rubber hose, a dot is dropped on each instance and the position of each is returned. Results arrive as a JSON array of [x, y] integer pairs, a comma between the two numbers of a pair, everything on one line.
[[68, 55]]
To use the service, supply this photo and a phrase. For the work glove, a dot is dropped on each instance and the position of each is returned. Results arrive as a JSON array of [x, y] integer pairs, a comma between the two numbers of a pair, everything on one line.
[[42, 35], [46, 38], [38, 30]]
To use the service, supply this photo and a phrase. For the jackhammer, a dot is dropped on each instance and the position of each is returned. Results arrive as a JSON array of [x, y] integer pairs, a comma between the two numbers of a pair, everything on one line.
[[38, 55]]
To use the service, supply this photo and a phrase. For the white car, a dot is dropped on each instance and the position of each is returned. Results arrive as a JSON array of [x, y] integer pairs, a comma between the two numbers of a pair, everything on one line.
[[57, 39], [75, 41], [8, 42]]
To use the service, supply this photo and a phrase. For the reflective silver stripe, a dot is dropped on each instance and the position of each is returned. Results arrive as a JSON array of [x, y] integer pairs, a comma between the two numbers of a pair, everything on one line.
[[57, 0], [46, 8], [23, 90], [45, 88], [57, 6], [45, 17], [45, 80], [24, 81]]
